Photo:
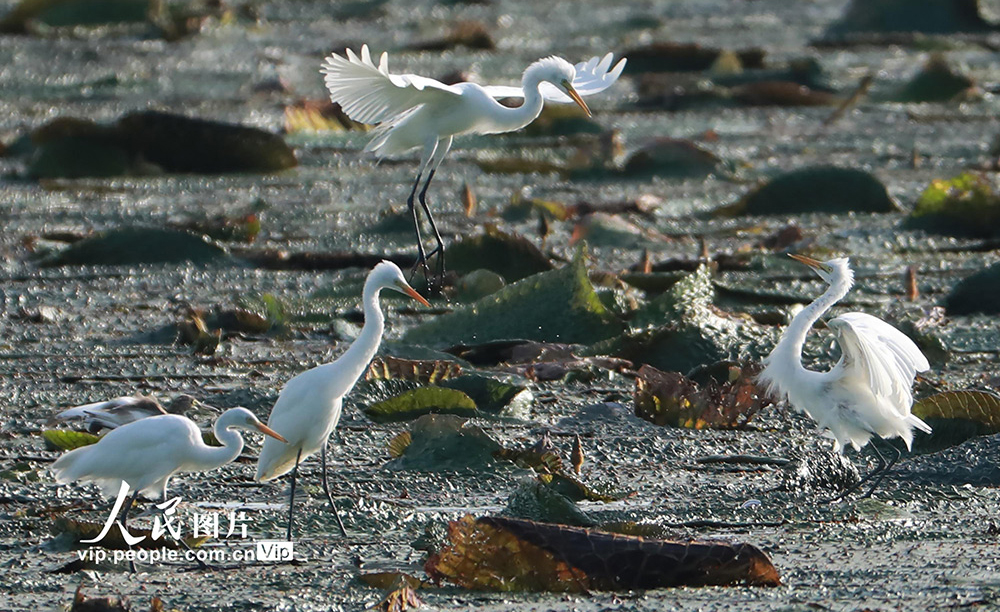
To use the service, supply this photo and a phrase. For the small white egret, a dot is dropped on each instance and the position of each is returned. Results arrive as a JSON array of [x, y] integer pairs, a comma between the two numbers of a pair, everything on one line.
[[309, 405], [415, 111], [126, 409], [868, 392], [146, 453]]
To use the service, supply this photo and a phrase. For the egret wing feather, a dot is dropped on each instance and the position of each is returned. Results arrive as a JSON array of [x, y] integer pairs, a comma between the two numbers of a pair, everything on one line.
[[881, 356], [592, 76], [371, 94]]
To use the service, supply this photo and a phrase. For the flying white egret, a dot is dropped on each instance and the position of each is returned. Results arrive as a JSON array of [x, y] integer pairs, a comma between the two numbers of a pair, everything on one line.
[[419, 112], [126, 409], [308, 407], [868, 392], [146, 453]]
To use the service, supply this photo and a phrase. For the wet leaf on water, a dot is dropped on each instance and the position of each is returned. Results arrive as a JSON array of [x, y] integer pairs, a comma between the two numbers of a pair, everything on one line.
[[444, 442], [485, 557], [400, 599], [421, 401], [575, 490], [318, 116], [977, 293], [555, 306], [59, 13], [966, 205], [82, 603], [139, 245], [936, 81], [478, 284], [399, 443], [672, 399], [546, 462], [66, 440], [562, 120], [927, 16], [980, 407], [502, 554], [680, 57], [238, 228], [424, 372], [822, 189], [178, 143], [670, 157], [523, 208], [601, 229], [505, 397], [781, 93], [538, 501], [510, 255]]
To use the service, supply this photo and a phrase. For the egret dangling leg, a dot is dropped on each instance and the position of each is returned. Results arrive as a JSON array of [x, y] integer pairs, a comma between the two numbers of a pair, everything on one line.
[[329, 497], [878, 473], [442, 148], [291, 499], [122, 518]]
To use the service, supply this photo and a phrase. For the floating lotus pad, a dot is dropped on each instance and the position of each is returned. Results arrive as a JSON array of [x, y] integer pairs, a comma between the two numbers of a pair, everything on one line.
[[510, 255], [978, 293], [817, 189], [966, 205], [136, 245], [443, 442], [555, 306]]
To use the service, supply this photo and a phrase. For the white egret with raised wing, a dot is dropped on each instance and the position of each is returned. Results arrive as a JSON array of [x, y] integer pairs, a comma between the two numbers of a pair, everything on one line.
[[868, 392]]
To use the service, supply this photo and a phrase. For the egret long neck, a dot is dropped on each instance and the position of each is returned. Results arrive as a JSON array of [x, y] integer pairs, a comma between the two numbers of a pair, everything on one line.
[[789, 349], [211, 457], [511, 119], [351, 365]]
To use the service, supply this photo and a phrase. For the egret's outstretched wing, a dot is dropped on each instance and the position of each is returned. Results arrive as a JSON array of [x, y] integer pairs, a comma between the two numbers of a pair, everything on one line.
[[370, 94], [592, 76], [881, 355]]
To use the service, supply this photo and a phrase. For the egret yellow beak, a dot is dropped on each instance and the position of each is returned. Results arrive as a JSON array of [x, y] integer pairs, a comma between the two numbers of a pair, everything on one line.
[[576, 97], [410, 291], [267, 431], [812, 263]]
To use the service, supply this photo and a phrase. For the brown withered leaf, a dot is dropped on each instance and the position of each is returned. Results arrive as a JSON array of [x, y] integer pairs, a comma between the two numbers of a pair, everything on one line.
[[979, 407], [425, 372], [542, 463], [496, 553], [403, 598], [82, 603], [672, 399], [486, 557]]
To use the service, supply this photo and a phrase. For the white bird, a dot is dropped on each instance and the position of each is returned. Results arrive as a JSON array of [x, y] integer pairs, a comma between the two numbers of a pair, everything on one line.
[[146, 453], [308, 407], [419, 112], [126, 409], [868, 392]]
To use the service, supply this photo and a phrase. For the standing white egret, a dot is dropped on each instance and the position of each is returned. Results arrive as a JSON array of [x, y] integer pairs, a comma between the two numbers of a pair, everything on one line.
[[415, 111], [126, 409], [146, 453], [868, 392], [309, 405]]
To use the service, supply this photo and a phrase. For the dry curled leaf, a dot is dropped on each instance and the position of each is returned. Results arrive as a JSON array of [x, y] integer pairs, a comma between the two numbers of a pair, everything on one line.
[[425, 372], [502, 554], [670, 398]]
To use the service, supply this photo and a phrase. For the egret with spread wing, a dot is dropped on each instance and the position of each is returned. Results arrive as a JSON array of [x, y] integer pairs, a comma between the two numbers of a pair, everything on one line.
[[308, 407], [868, 392], [418, 112]]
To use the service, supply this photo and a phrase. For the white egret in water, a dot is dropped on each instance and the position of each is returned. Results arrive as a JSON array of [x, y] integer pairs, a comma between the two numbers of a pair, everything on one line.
[[126, 409], [868, 392], [309, 405], [146, 453], [419, 112]]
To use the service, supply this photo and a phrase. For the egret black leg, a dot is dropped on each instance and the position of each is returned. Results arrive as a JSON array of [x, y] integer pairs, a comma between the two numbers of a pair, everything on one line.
[[885, 469], [879, 471], [439, 249], [123, 519], [291, 499], [421, 256], [329, 497]]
